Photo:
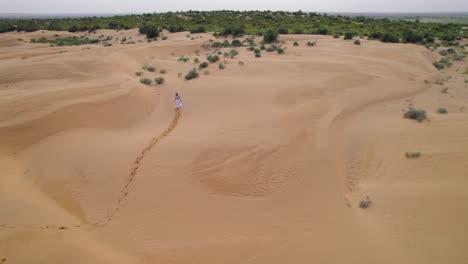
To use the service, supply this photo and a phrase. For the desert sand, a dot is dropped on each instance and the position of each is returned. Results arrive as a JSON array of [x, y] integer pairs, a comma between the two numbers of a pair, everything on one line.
[[267, 162]]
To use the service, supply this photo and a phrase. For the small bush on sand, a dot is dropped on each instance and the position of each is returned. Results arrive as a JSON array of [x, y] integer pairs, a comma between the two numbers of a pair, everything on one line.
[[415, 114], [184, 59], [270, 36], [163, 71], [442, 111], [233, 53], [311, 43], [444, 90], [365, 202], [280, 50], [159, 80], [348, 35], [258, 55], [295, 44], [236, 43], [206, 72], [191, 74], [146, 81], [410, 155], [357, 42], [139, 73], [150, 69], [197, 60], [438, 65], [336, 36], [221, 66], [212, 58], [164, 37], [443, 52], [203, 65], [241, 63], [270, 49]]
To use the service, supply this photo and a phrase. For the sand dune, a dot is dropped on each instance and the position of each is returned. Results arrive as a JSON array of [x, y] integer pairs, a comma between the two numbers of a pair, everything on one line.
[[266, 162]]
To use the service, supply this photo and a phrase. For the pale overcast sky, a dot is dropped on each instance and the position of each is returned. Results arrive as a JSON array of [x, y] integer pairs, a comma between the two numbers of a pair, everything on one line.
[[149, 6]]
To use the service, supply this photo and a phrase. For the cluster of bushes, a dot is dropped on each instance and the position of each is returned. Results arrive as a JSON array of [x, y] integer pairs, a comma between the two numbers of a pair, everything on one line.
[[151, 31], [212, 58], [191, 74], [69, 41], [311, 43], [184, 59], [238, 23], [442, 63], [416, 114], [270, 36]]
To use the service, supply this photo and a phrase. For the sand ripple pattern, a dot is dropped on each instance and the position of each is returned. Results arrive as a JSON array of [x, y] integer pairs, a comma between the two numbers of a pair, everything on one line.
[[126, 189]]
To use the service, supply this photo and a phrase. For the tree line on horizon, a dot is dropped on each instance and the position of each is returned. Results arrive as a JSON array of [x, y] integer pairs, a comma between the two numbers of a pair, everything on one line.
[[238, 23]]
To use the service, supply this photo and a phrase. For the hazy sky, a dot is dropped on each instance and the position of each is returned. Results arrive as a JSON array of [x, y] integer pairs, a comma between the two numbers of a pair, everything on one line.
[[149, 6]]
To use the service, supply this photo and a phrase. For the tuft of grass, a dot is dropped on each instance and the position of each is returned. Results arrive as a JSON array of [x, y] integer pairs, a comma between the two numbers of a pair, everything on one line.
[[410, 155], [311, 43], [159, 80], [203, 65], [221, 66], [280, 50], [443, 52], [163, 71], [149, 68], [233, 53], [357, 42], [164, 37], [444, 90], [416, 114], [258, 55], [196, 60], [295, 44], [442, 111], [212, 58], [184, 59], [241, 63], [365, 202], [146, 81], [138, 73], [206, 72], [191, 74]]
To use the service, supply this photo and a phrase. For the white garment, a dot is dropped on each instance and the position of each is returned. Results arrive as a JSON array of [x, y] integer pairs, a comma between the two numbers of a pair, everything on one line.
[[178, 103]]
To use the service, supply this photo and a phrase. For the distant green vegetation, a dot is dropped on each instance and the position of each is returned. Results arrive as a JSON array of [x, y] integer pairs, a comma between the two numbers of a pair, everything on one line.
[[70, 41], [265, 23]]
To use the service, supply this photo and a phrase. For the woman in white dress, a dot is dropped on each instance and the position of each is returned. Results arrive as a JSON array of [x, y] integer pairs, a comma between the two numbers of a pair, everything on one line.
[[178, 101]]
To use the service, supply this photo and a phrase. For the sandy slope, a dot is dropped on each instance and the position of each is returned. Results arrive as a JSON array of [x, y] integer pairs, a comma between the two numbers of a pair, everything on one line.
[[266, 163]]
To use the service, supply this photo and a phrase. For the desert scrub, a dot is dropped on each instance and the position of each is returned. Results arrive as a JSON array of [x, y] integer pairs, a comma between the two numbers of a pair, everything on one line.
[[410, 155], [212, 58], [164, 37], [241, 63], [163, 71], [357, 42], [203, 65], [233, 53], [295, 44], [416, 114], [348, 35], [443, 52], [206, 72], [311, 43], [184, 59], [146, 81], [138, 73], [149, 68], [221, 66], [280, 50], [365, 202], [258, 55], [159, 80], [444, 90], [196, 60], [191, 74], [442, 111]]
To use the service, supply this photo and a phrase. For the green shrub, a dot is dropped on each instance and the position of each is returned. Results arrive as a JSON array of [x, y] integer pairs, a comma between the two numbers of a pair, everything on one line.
[[349, 35], [150, 68], [439, 66], [164, 37], [196, 60], [442, 111], [262, 47], [410, 155], [270, 49], [311, 43], [139, 73], [336, 36], [221, 66], [236, 43], [241, 63], [257, 51], [146, 81], [270, 36], [443, 52], [415, 114], [159, 80], [151, 31], [163, 71], [219, 53], [283, 31], [184, 59], [296, 43], [357, 42], [280, 50], [212, 58], [233, 53], [203, 65], [389, 37], [191, 74], [258, 55]]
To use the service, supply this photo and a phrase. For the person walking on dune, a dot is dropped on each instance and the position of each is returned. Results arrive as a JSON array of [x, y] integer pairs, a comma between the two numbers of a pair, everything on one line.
[[178, 101]]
